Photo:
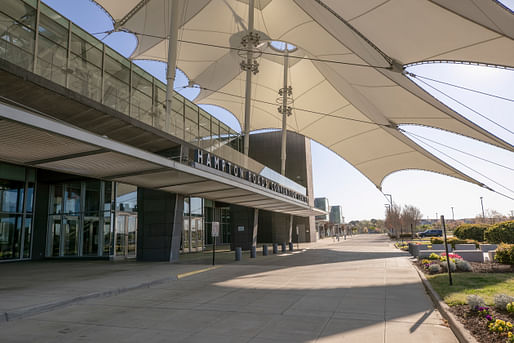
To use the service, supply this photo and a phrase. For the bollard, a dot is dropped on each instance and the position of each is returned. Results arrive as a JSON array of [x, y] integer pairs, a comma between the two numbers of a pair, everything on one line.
[[238, 254], [284, 247], [275, 248], [291, 246], [253, 252], [264, 250]]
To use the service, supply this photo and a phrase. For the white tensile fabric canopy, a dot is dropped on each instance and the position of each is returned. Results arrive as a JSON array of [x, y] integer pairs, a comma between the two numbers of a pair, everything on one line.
[[352, 109]]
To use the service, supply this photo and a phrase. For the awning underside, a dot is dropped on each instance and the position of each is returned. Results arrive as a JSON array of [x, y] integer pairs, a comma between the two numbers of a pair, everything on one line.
[[35, 141]]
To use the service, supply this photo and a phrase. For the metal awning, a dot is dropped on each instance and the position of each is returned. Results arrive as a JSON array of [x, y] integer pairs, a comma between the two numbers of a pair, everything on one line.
[[33, 140]]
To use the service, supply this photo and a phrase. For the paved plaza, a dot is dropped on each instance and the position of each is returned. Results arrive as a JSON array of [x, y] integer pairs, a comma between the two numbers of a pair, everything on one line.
[[358, 290]]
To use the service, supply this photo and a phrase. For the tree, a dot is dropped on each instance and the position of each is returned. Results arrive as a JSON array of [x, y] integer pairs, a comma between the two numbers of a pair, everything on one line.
[[393, 218], [495, 216], [411, 215]]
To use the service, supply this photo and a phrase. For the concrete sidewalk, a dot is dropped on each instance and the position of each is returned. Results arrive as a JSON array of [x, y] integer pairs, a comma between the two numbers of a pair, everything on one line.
[[359, 289]]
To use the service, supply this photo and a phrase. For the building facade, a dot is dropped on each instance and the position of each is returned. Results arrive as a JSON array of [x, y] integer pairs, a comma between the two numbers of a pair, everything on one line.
[[91, 165]]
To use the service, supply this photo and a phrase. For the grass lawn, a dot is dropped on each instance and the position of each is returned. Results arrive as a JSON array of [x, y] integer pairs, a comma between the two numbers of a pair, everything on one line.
[[486, 285]]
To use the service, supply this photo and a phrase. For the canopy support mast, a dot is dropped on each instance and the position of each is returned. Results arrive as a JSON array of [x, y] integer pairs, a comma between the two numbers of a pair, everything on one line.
[[249, 69], [172, 60], [286, 111]]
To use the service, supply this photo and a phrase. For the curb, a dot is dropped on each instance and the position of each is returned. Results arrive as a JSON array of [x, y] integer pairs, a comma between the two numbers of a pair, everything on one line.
[[30, 311], [458, 329]]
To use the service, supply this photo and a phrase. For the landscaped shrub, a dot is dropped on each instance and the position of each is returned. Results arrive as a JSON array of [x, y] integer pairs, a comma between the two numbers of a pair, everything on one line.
[[433, 256], [500, 233], [405, 235], [434, 268], [501, 301], [471, 231], [455, 240], [475, 301], [505, 254], [463, 266], [453, 267], [436, 240]]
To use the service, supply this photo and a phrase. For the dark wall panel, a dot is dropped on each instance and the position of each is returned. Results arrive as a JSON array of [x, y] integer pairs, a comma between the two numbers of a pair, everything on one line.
[[241, 216], [40, 221], [156, 211]]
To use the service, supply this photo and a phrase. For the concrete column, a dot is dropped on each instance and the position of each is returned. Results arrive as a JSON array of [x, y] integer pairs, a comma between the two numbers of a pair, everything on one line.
[[178, 222]]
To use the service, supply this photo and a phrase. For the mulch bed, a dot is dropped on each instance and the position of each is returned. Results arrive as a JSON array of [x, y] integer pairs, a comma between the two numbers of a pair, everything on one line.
[[477, 325], [477, 267], [474, 323]]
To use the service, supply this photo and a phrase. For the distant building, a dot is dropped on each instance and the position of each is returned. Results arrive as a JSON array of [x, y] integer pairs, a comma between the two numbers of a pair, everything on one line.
[[322, 204], [336, 215]]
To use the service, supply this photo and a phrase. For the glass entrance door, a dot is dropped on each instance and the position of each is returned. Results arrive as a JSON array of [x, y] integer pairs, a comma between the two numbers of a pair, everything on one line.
[[79, 219], [196, 234], [126, 235]]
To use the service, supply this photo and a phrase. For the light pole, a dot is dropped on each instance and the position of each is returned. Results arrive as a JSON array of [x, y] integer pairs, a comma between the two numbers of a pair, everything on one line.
[[482, 203], [390, 198], [388, 209]]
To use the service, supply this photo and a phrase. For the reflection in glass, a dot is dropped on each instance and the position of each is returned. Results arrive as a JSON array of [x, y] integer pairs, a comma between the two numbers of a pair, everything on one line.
[[10, 236], [107, 234], [71, 226], [56, 200], [30, 197], [27, 237], [92, 204], [121, 236], [55, 231], [131, 236], [185, 235], [72, 198], [90, 236], [11, 195]]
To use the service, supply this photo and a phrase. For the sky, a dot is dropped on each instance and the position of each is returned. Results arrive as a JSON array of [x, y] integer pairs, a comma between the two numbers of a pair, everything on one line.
[[342, 184]]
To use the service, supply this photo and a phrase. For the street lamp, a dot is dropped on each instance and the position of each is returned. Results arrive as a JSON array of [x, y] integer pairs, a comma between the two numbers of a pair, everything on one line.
[[482, 203]]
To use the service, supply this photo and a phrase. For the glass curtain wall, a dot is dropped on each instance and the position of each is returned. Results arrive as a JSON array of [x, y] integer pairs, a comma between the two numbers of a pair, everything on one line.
[[193, 229], [79, 219], [17, 189], [37, 38]]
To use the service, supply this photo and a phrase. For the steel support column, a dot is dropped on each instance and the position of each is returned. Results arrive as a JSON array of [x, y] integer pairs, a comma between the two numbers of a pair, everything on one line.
[[172, 60], [248, 89]]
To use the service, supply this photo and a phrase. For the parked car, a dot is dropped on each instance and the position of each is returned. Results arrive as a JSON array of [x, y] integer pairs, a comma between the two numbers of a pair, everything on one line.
[[430, 233]]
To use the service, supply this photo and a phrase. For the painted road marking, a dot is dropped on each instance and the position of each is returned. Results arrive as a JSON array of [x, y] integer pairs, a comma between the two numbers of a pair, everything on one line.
[[183, 275]]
